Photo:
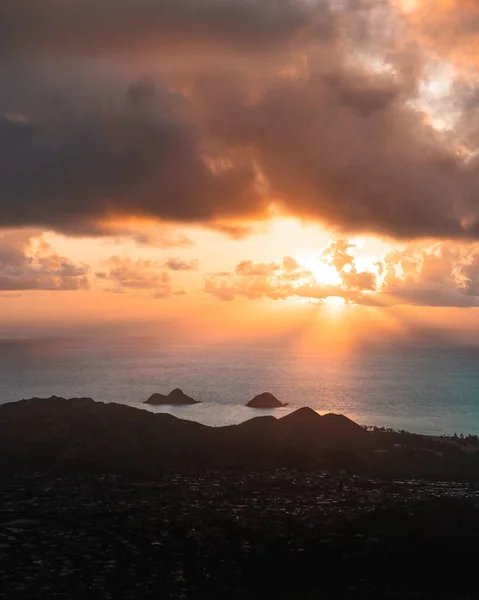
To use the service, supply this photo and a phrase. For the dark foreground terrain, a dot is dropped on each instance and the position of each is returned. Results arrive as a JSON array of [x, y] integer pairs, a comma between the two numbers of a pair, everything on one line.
[[80, 436], [109, 502], [269, 534]]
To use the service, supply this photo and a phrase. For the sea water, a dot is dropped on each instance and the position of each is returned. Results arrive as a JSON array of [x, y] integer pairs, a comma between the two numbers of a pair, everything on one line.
[[428, 389]]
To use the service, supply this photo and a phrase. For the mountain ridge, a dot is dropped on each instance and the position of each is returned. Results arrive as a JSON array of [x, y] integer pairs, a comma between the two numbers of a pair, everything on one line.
[[80, 435]]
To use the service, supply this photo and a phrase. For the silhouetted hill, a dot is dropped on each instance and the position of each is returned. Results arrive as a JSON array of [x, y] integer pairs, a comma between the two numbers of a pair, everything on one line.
[[258, 425], [175, 397], [328, 430], [305, 419], [341, 427], [265, 400], [83, 436], [302, 416]]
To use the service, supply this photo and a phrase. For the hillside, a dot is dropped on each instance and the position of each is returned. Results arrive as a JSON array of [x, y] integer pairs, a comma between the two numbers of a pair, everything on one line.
[[80, 435]]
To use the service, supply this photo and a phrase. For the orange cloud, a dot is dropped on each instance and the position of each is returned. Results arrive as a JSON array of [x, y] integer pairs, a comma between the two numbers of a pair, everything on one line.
[[439, 275], [128, 274], [436, 275], [289, 279], [448, 27], [27, 262]]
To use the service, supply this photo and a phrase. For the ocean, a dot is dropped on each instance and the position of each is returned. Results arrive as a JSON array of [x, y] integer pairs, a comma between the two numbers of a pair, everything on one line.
[[422, 388]]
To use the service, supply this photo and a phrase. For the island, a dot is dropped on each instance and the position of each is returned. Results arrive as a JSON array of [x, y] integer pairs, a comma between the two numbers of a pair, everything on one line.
[[177, 398], [265, 400]]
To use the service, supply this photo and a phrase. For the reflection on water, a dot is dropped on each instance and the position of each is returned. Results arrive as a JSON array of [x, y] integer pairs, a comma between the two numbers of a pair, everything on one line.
[[426, 389]]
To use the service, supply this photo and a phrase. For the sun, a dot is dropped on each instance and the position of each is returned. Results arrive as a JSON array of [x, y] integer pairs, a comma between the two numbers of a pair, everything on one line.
[[322, 272], [335, 303], [406, 6]]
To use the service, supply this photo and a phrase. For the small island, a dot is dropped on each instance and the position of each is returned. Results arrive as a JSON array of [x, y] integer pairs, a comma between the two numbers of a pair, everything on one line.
[[265, 400], [176, 398]]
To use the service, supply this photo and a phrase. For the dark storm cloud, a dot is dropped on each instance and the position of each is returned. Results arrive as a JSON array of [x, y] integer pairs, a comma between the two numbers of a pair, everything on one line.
[[91, 27], [69, 172], [329, 131], [355, 155], [351, 154]]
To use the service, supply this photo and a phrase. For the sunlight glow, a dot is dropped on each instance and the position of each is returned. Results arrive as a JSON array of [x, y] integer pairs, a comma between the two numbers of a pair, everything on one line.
[[335, 303], [407, 6], [322, 272]]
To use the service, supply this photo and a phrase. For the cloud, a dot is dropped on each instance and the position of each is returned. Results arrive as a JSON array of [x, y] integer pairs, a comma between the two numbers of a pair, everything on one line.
[[138, 275], [275, 280], [134, 274], [437, 275], [233, 231], [449, 27], [290, 264], [468, 275], [364, 281], [71, 173], [320, 118], [77, 27], [336, 254], [441, 274], [388, 171], [228, 289], [177, 264], [143, 236], [29, 263], [248, 267]]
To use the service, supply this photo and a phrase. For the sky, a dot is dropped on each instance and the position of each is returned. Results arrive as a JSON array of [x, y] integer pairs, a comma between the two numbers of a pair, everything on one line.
[[240, 169]]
